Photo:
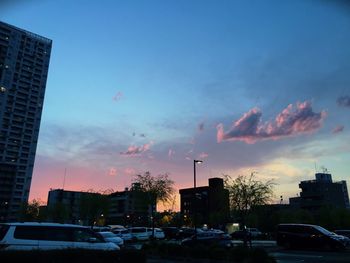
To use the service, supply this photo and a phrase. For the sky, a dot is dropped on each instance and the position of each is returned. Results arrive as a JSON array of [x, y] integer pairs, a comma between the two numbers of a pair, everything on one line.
[[136, 86]]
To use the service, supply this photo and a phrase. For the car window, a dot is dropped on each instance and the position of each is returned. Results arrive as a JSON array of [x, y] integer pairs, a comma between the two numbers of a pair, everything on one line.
[[138, 230], [84, 235], [107, 234], [56, 234], [43, 233], [27, 232], [324, 231], [3, 230]]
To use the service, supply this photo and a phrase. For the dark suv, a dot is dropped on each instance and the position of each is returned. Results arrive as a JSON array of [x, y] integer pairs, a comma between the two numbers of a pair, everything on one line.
[[309, 236]]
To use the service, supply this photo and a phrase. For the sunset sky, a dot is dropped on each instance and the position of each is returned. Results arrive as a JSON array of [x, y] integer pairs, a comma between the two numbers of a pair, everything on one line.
[[136, 86]]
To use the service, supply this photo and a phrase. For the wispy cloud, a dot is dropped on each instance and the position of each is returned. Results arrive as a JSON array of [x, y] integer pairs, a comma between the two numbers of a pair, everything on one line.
[[112, 171], [344, 101], [338, 129], [134, 150], [129, 171], [171, 152], [289, 122], [203, 155], [118, 96]]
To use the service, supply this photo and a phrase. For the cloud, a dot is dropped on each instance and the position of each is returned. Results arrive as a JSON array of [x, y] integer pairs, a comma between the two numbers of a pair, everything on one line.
[[134, 150], [338, 129], [112, 171], [118, 96], [171, 152], [129, 171], [203, 155], [290, 122], [344, 101]]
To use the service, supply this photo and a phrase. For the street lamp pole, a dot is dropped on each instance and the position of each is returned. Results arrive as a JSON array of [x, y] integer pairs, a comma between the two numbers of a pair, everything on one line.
[[195, 197]]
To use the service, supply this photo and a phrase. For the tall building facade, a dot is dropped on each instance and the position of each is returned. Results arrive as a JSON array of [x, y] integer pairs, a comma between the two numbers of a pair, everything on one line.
[[24, 63]]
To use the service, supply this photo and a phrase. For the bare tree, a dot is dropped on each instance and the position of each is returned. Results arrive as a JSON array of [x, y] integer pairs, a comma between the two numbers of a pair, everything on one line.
[[160, 188], [30, 211], [246, 192]]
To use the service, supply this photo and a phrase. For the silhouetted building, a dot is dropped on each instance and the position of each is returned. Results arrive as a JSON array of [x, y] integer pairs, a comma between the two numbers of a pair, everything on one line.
[[209, 203], [321, 192], [129, 207], [24, 63]]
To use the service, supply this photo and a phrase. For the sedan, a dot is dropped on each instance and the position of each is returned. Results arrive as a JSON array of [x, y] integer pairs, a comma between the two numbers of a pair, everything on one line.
[[111, 237], [208, 239]]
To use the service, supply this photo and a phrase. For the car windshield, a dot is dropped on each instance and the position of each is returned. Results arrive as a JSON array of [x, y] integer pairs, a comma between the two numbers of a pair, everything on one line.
[[105, 234], [324, 231]]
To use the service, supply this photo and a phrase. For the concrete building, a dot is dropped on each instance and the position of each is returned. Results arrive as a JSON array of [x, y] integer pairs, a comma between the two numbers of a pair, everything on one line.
[[24, 63], [129, 207], [210, 203], [321, 192]]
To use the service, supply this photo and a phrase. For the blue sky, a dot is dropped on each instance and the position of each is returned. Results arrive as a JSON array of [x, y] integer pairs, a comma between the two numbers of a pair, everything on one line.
[[139, 86]]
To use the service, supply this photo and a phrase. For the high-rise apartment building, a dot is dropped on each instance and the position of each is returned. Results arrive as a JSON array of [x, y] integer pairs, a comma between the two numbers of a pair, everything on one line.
[[24, 63]]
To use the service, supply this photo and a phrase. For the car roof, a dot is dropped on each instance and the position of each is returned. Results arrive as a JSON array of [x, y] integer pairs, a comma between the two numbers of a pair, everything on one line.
[[290, 224], [42, 224]]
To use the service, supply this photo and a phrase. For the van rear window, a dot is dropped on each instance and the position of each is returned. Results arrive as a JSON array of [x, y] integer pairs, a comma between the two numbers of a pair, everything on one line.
[[3, 230]]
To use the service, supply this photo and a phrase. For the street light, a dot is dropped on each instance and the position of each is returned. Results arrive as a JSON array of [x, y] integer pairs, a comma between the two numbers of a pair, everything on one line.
[[195, 197]]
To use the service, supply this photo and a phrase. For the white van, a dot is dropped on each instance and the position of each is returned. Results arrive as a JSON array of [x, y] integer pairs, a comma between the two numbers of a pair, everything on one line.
[[48, 236]]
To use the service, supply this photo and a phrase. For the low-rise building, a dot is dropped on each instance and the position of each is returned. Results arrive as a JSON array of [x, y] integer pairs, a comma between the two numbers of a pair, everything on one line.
[[206, 204], [321, 192], [129, 207]]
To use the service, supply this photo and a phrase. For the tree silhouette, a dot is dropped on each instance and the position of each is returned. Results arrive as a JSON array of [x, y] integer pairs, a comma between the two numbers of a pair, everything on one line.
[[160, 188], [246, 192]]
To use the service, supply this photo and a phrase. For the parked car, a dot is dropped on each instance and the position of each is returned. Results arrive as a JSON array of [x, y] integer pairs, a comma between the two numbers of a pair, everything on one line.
[[254, 232], [139, 233], [208, 238], [123, 233], [171, 232], [309, 236], [238, 234], [49, 236], [101, 228], [186, 232], [111, 237], [158, 233], [345, 233]]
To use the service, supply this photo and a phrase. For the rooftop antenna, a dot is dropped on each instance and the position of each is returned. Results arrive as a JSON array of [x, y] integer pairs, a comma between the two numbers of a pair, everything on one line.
[[315, 167], [64, 178]]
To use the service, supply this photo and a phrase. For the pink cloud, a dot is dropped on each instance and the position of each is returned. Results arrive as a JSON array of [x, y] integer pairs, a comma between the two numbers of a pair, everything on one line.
[[338, 129], [112, 171], [118, 96], [203, 155], [129, 171], [134, 150], [290, 122]]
